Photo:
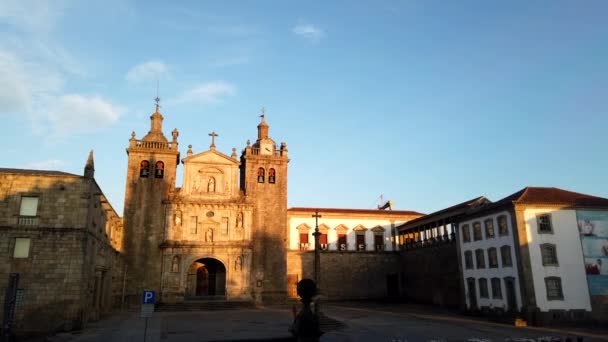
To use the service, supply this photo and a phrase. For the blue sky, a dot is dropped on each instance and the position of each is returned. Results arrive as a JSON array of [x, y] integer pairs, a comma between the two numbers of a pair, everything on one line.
[[429, 103]]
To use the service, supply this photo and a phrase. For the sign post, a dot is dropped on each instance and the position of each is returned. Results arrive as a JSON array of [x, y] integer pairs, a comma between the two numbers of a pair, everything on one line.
[[148, 299]]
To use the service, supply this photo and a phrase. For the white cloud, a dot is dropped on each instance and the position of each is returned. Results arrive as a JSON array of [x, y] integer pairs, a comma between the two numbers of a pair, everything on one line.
[[148, 71], [31, 15], [34, 69], [23, 84], [210, 92], [51, 164], [309, 32], [74, 113]]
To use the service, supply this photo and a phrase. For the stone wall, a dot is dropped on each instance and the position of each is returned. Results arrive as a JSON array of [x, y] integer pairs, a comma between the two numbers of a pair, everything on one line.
[[347, 275], [67, 274], [430, 275]]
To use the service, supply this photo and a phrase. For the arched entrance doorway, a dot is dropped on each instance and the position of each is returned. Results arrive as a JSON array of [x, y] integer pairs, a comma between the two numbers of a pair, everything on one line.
[[206, 278]]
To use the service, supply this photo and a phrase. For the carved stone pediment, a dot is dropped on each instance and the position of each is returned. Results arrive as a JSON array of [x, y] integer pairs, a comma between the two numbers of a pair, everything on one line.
[[210, 174]]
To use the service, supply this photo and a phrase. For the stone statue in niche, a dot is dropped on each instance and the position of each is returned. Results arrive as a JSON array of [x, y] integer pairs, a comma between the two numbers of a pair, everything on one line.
[[238, 263], [178, 218], [211, 184], [175, 264], [195, 186], [209, 235], [239, 220]]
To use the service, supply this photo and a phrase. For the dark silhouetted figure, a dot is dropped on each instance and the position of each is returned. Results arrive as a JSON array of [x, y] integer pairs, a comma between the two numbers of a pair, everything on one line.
[[306, 324]]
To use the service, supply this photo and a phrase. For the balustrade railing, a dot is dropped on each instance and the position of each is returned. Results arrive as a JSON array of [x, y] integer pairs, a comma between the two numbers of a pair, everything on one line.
[[27, 221], [154, 144], [256, 151]]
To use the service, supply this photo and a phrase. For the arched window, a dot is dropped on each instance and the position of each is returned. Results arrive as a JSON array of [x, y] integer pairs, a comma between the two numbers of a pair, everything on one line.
[[144, 169], [261, 174], [159, 170], [271, 176]]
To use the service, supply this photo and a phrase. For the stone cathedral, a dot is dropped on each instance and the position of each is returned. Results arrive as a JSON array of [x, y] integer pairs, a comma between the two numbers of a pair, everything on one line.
[[221, 234]]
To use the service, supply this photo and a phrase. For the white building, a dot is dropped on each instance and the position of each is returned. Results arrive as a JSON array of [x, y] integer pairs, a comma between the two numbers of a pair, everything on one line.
[[346, 229], [530, 253]]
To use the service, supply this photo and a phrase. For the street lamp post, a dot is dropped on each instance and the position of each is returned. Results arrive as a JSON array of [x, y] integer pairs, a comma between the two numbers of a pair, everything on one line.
[[317, 234]]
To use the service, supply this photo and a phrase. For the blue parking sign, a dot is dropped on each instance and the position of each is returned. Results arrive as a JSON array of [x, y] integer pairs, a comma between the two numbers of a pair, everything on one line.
[[149, 297]]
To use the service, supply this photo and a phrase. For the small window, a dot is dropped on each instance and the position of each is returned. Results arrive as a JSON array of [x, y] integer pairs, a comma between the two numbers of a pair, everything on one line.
[[261, 175], [303, 241], [483, 288], [554, 288], [503, 227], [466, 233], [19, 298], [342, 246], [505, 255], [489, 225], [496, 289], [468, 260], [479, 256], [271, 176], [323, 241], [22, 248], [492, 258], [378, 241], [548, 253], [360, 240], [159, 170], [144, 169], [29, 206], [544, 224], [477, 231]]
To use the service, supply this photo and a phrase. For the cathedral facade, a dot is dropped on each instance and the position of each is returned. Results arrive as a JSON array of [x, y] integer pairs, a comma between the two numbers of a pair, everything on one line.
[[222, 234]]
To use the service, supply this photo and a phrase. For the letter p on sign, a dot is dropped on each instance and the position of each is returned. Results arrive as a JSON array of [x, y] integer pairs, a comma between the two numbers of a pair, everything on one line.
[[149, 297]]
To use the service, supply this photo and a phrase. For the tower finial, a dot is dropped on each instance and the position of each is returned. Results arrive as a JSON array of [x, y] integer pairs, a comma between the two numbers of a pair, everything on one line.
[[89, 167], [157, 100], [213, 135], [263, 110]]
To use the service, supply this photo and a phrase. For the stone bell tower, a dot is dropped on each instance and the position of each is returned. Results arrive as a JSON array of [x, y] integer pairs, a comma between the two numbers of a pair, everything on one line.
[[264, 181], [151, 173]]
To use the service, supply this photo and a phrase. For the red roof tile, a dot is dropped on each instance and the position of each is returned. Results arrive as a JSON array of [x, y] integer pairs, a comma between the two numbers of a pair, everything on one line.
[[536, 195], [356, 211]]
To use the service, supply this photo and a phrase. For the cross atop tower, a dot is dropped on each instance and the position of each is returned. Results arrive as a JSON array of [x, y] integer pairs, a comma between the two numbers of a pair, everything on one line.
[[213, 135], [263, 110], [157, 100]]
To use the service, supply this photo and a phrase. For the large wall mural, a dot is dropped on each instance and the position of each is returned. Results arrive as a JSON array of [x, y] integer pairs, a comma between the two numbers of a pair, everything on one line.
[[593, 228]]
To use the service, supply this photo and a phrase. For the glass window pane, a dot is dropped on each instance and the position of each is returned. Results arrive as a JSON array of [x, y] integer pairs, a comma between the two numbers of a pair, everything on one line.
[[29, 206], [22, 248]]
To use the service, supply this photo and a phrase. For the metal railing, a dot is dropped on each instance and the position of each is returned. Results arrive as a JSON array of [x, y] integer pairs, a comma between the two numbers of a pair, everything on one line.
[[27, 220]]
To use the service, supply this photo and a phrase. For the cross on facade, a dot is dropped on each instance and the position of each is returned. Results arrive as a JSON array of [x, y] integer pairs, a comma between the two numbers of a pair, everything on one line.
[[213, 135]]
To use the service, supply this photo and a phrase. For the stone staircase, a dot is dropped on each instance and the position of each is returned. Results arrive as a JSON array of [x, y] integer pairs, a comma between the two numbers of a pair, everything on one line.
[[205, 305]]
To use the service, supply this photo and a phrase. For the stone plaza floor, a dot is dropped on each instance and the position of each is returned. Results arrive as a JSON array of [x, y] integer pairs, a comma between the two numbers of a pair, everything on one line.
[[347, 322]]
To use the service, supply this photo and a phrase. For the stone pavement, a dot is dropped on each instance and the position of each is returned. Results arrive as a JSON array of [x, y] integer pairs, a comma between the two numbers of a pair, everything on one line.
[[349, 322]]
